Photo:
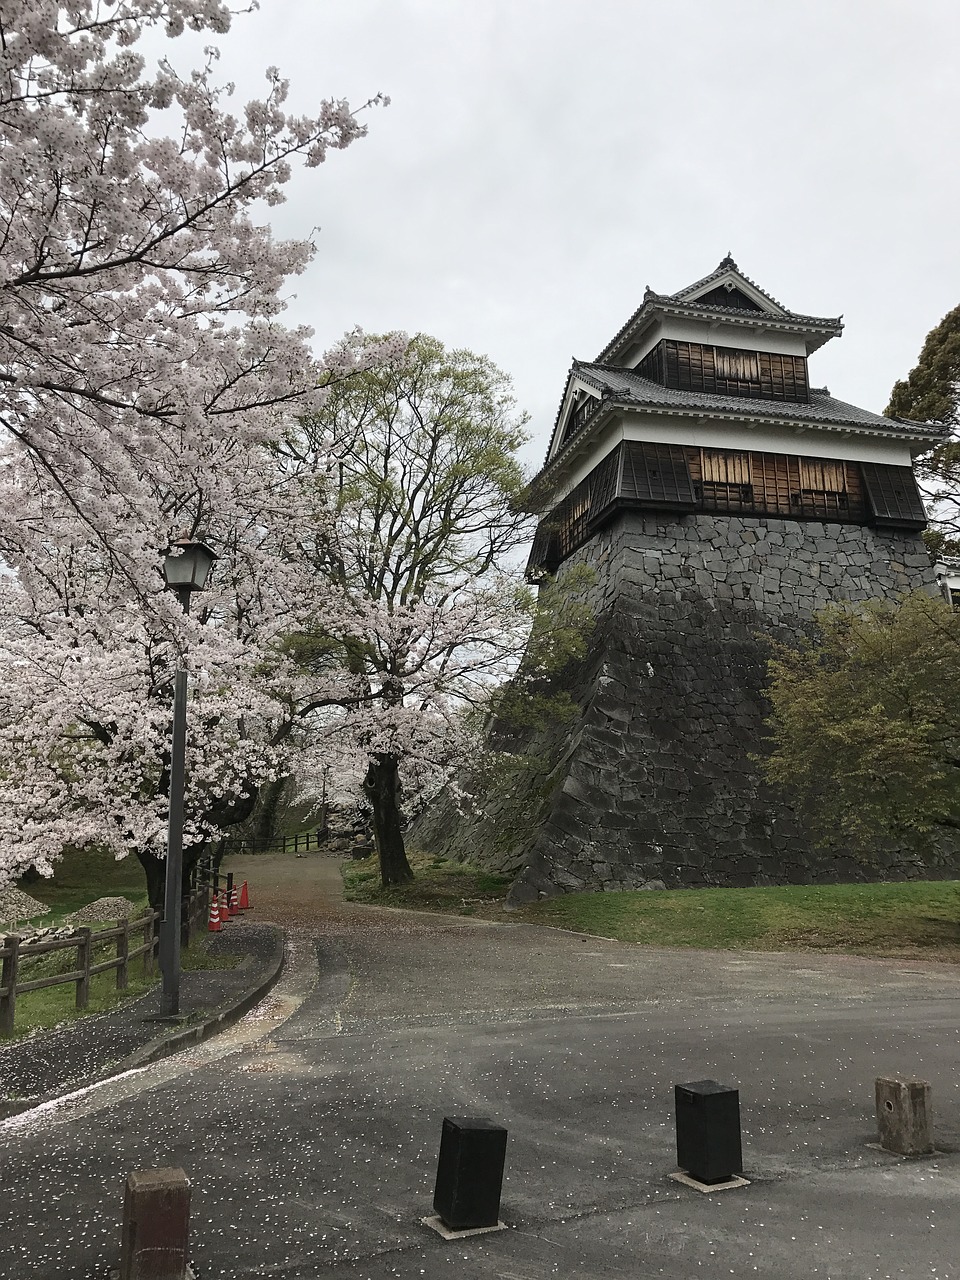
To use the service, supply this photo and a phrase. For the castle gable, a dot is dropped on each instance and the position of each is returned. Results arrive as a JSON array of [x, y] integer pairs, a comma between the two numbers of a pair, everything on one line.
[[725, 302]]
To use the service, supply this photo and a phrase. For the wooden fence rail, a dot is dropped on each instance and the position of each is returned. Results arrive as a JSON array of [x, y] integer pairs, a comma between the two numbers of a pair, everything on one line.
[[14, 949]]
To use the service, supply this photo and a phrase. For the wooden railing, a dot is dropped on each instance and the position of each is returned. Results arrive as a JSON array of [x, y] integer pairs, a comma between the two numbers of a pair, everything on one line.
[[14, 949]]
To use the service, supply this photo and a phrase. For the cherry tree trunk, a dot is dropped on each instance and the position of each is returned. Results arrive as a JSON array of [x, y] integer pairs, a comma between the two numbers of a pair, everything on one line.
[[155, 870], [381, 786]]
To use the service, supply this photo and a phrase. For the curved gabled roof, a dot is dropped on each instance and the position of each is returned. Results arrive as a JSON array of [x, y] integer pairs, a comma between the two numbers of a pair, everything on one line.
[[726, 267], [685, 302]]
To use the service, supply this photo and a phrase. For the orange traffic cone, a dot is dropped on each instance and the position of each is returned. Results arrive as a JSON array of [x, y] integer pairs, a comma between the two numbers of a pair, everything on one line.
[[244, 897], [213, 925], [224, 909], [234, 902]]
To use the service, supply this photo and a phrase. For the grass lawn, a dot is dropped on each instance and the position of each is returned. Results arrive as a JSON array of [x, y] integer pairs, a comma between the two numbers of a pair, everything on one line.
[[440, 885], [40, 1010], [50, 1006], [81, 878], [918, 919]]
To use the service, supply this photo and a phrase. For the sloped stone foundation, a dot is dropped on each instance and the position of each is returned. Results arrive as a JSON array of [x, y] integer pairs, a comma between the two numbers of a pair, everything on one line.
[[656, 782]]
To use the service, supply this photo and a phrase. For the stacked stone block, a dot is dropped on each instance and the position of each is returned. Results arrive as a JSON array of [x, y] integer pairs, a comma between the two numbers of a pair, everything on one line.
[[657, 784]]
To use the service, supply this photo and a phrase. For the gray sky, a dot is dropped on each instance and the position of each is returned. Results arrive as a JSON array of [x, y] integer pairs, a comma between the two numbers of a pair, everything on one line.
[[543, 160]]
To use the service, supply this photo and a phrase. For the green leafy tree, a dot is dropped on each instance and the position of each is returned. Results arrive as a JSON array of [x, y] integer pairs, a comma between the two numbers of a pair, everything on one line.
[[414, 463], [866, 723], [931, 393]]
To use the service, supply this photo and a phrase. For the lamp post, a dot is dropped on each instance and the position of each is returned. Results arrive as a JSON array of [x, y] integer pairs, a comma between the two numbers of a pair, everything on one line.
[[186, 567]]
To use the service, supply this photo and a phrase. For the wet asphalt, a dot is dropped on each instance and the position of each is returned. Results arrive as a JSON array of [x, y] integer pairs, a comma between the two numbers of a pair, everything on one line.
[[311, 1130], [68, 1056]]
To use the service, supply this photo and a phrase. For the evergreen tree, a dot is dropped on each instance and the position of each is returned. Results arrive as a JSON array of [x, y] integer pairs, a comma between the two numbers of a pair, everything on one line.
[[931, 393]]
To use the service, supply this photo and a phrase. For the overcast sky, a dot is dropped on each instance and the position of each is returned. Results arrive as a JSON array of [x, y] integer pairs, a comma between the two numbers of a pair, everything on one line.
[[543, 160]]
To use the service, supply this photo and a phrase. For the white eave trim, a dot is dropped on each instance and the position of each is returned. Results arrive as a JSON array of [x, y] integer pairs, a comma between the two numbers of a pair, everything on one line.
[[803, 424]]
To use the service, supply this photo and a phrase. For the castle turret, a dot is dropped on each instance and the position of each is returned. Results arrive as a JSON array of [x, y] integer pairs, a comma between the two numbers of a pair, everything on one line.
[[702, 403], [720, 501]]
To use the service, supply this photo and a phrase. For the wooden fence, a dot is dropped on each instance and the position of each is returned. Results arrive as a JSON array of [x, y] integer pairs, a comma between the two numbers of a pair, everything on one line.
[[15, 949]]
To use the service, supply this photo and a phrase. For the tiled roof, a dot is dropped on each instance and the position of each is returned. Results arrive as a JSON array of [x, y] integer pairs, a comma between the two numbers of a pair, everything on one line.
[[750, 317], [625, 387], [828, 326], [681, 302], [628, 387]]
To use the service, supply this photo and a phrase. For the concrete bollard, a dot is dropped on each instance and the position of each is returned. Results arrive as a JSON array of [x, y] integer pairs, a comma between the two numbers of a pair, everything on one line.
[[156, 1224], [904, 1116]]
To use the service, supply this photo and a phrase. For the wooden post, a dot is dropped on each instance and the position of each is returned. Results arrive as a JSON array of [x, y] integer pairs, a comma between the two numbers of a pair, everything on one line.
[[156, 1225], [84, 949], [186, 921], [123, 955], [148, 936], [8, 981], [904, 1115]]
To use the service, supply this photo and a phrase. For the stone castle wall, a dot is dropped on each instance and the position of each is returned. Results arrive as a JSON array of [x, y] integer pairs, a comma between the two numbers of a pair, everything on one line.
[[785, 570], [654, 783]]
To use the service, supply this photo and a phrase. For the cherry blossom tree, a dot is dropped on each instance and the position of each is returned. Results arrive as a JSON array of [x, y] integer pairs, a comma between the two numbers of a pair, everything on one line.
[[138, 295], [144, 373], [86, 673]]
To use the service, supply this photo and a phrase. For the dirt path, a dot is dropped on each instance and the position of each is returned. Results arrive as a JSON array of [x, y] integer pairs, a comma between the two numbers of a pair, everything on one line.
[[293, 892], [307, 894]]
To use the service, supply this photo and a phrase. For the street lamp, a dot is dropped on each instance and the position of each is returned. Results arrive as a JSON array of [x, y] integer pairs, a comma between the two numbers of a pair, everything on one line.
[[186, 567]]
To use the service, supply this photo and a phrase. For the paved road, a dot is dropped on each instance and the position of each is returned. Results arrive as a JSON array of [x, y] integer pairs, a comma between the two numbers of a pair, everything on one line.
[[311, 1130]]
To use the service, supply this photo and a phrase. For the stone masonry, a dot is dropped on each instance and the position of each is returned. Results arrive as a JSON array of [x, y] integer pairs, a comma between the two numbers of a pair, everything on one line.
[[655, 784]]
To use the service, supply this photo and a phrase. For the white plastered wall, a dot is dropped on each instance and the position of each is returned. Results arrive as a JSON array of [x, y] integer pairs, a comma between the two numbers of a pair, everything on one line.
[[756, 337]]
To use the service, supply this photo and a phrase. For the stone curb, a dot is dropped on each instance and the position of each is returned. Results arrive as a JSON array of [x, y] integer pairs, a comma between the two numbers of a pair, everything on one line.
[[171, 1042]]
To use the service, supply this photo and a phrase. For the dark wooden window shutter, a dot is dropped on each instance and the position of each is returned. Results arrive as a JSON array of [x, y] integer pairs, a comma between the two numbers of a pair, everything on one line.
[[893, 498], [657, 475]]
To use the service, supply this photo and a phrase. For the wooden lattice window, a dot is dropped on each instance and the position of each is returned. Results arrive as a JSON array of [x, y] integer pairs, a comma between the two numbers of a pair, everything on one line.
[[823, 488], [737, 366], [725, 477], [729, 371]]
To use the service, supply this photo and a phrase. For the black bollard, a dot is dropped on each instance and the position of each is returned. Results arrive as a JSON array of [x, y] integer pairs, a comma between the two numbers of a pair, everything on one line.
[[469, 1173], [708, 1131]]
